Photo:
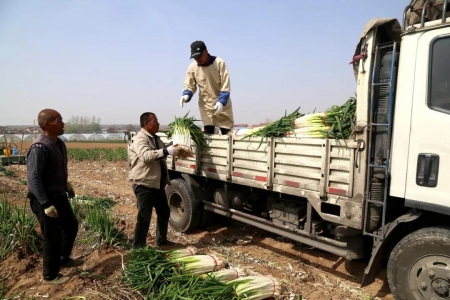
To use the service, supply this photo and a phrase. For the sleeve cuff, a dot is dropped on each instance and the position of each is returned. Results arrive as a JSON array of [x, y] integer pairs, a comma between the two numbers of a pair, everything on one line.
[[223, 98], [189, 93], [46, 205]]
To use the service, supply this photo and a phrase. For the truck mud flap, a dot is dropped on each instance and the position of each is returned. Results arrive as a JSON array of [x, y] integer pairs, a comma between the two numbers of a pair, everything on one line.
[[374, 265]]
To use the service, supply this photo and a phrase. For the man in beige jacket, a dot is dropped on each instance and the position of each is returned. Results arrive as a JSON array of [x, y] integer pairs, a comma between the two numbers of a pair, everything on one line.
[[210, 74], [149, 175]]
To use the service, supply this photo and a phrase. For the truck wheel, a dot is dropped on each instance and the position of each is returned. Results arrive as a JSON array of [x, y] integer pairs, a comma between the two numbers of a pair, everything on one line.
[[419, 265], [185, 211]]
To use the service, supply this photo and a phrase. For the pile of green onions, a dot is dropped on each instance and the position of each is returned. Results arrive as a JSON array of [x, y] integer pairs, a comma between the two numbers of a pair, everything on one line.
[[178, 274], [183, 129], [148, 269], [278, 128], [336, 123]]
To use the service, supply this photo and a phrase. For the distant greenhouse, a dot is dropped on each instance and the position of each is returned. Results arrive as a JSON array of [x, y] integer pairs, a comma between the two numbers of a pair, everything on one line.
[[77, 137], [10, 138], [114, 137], [71, 137], [29, 138], [96, 137]]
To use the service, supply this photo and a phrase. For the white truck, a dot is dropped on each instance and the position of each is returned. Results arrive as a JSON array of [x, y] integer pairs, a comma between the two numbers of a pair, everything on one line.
[[383, 194]]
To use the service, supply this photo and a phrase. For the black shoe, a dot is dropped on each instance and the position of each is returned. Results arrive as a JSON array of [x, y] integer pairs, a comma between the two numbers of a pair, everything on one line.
[[166, 244], [72, 263], [59, 279]]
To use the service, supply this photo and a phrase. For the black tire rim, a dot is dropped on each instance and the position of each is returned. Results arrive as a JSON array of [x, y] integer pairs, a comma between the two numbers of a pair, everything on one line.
[[429, 277]]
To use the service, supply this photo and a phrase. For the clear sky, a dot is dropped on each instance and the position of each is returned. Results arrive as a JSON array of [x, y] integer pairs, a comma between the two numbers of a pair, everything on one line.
[[118, 59]]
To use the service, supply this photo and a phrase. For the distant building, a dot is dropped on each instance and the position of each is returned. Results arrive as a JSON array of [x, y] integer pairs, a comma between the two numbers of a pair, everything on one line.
[[240, 125], [33, 129]]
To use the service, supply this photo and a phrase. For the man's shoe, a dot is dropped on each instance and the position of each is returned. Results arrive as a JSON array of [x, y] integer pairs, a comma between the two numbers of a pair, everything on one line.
[[72, 263], [60, 279], [166, 244]]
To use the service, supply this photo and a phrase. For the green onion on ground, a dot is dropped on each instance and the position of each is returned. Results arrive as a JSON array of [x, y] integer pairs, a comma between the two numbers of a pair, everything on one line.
[[225, 275], [177, 274], [195, 287], [182, 130], [255, 287], [148, 269], [199, 264]]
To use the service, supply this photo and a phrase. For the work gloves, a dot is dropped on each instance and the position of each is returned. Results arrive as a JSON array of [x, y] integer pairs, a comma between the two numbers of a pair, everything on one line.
[[183, 100], [173, 150], [218, 107], [51, 212]]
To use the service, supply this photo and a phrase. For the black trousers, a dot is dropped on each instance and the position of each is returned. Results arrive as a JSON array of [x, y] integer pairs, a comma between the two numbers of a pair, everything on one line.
[[59, 233], [147, 199], [209, 129]]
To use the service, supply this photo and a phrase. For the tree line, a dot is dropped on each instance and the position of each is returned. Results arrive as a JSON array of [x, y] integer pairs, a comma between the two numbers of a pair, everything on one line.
[[79, 124]]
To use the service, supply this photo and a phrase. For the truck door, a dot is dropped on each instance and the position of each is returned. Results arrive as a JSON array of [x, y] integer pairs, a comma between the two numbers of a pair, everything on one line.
[[428, 174]]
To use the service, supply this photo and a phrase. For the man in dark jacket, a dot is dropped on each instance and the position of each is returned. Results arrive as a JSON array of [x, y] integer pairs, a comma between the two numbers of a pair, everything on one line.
[[49, 197]]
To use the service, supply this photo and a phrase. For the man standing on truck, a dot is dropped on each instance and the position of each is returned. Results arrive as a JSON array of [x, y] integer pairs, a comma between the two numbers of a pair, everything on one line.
[[210, 73], [49, 193], [149, 176]]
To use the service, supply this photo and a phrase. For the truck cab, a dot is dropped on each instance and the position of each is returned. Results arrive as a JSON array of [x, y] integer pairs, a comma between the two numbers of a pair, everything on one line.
[[414, 233]]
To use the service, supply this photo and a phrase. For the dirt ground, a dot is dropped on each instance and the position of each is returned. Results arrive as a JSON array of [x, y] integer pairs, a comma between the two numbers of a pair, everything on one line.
[[312, 273]]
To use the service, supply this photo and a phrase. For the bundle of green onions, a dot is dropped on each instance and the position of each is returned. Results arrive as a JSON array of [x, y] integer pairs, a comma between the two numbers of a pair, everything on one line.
[[225, 275], [148, 269], [199, 264], [196, 287], [182, 130], [278, 128], [255, 287], [151, 271], [336, 123]]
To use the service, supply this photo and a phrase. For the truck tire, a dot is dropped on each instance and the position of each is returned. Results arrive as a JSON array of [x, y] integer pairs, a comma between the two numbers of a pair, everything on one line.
[[419, 265], [185, 211]]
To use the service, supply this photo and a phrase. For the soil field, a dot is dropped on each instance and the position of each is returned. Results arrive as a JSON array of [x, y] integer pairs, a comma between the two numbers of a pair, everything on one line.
[[314, 274]]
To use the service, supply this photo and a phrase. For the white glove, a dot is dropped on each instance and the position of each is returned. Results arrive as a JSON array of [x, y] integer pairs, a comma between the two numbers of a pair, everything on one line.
[[173, 150], [183, 100], [51, 212], [218, 107]]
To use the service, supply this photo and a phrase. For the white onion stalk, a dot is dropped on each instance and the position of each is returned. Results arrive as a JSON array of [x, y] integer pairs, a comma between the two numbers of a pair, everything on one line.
[[178, 253], [186, 134], [225, 275], [199, 264], [256, 287], [182, 137]]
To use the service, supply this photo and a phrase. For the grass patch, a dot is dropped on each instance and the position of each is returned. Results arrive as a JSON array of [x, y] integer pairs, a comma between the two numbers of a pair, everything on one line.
[[119, 154], [6, 172], [98, 222], [17, 229]]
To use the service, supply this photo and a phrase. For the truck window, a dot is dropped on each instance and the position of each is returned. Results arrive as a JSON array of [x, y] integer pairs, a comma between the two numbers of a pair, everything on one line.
[[439, 80]]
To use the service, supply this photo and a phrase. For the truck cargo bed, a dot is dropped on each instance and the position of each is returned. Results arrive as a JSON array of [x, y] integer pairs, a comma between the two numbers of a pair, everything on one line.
[[288, 165]]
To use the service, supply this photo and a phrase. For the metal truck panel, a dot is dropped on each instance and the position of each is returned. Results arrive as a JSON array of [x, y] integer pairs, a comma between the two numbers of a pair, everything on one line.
[[429, 123], [402, 115]]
